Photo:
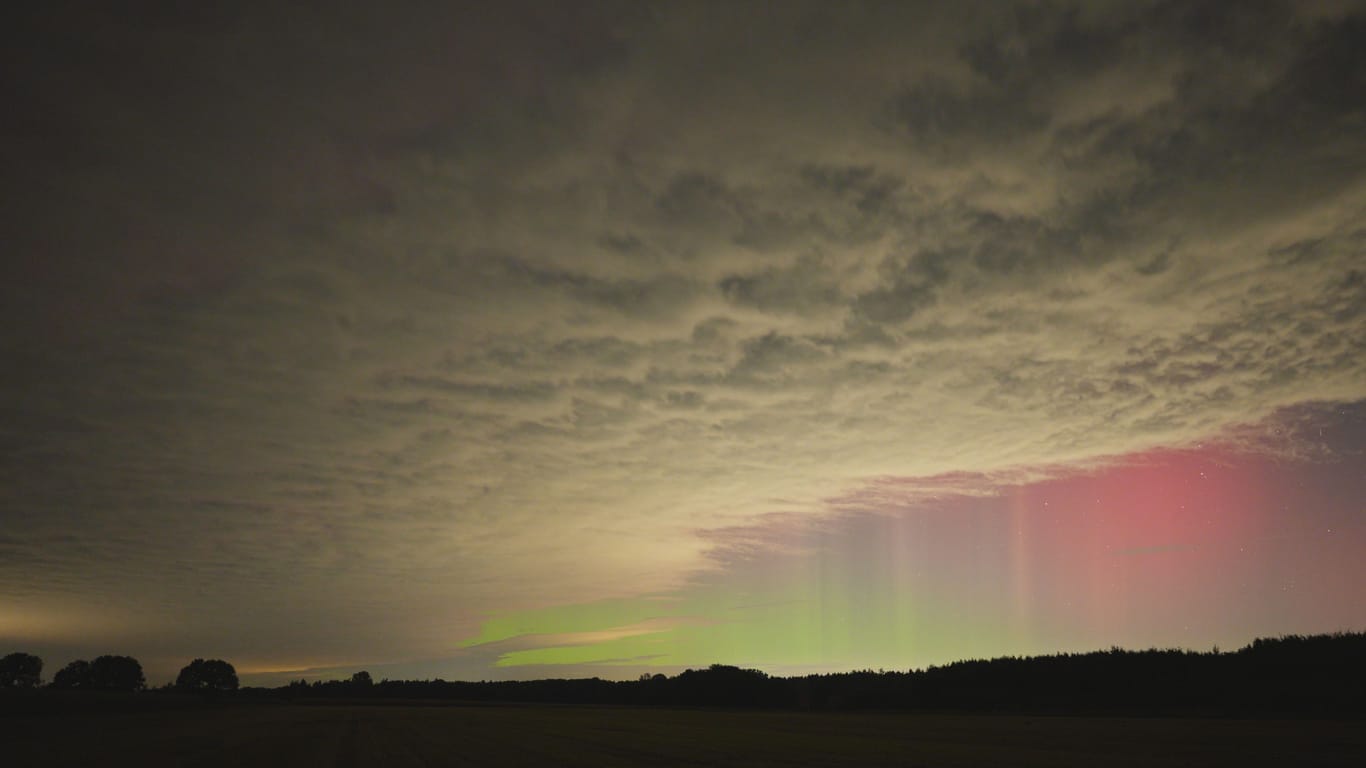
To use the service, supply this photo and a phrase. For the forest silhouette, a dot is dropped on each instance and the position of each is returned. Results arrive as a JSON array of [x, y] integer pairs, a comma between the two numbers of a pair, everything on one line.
[[1289, 674], [1292, 674]]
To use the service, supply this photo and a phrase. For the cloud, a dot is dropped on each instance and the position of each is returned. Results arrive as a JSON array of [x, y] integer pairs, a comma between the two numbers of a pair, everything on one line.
[[498, 315]]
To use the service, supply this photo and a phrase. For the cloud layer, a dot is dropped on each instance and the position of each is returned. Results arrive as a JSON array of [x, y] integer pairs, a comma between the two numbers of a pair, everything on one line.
[[347, 322]]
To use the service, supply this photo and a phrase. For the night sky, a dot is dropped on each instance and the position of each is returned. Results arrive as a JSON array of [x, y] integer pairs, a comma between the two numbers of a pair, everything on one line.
[[565, 339]]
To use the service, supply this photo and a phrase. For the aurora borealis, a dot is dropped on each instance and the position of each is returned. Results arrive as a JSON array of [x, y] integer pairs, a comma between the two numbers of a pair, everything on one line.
[[566, 339], [1190, 548]]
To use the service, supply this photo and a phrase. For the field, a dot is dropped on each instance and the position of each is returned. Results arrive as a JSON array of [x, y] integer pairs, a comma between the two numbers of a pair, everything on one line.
[[399, 735]]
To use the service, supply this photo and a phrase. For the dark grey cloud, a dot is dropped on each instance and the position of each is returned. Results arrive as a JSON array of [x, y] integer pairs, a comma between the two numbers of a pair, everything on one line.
[[803, 286]]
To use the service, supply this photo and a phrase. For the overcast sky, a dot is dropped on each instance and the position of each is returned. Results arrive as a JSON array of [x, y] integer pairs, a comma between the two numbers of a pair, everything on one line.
[[336, 336]]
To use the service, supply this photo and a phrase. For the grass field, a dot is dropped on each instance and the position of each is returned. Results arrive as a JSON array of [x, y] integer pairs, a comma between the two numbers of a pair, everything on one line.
[[340, 735]]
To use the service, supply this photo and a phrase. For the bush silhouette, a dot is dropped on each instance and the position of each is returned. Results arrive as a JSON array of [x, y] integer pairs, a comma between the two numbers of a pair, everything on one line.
[[20, 670], [207, 675]]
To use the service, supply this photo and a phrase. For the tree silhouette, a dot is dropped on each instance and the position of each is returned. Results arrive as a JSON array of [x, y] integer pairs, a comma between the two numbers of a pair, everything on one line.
[[73, 676], [1318, 675], [117, 673], [210, 675], [362, 679], [20, 670]]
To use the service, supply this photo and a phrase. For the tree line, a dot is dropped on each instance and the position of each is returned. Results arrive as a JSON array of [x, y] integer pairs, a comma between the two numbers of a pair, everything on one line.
[[1317, 674], [113, 673]]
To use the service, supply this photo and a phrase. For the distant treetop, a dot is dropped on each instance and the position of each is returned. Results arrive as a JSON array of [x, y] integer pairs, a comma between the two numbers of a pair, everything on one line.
[[107, 673], [21, 670], [207, 675], [75, 675], [117, 673]]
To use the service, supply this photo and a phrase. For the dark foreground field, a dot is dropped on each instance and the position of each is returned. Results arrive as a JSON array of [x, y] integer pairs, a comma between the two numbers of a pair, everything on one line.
[[394, 735]]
